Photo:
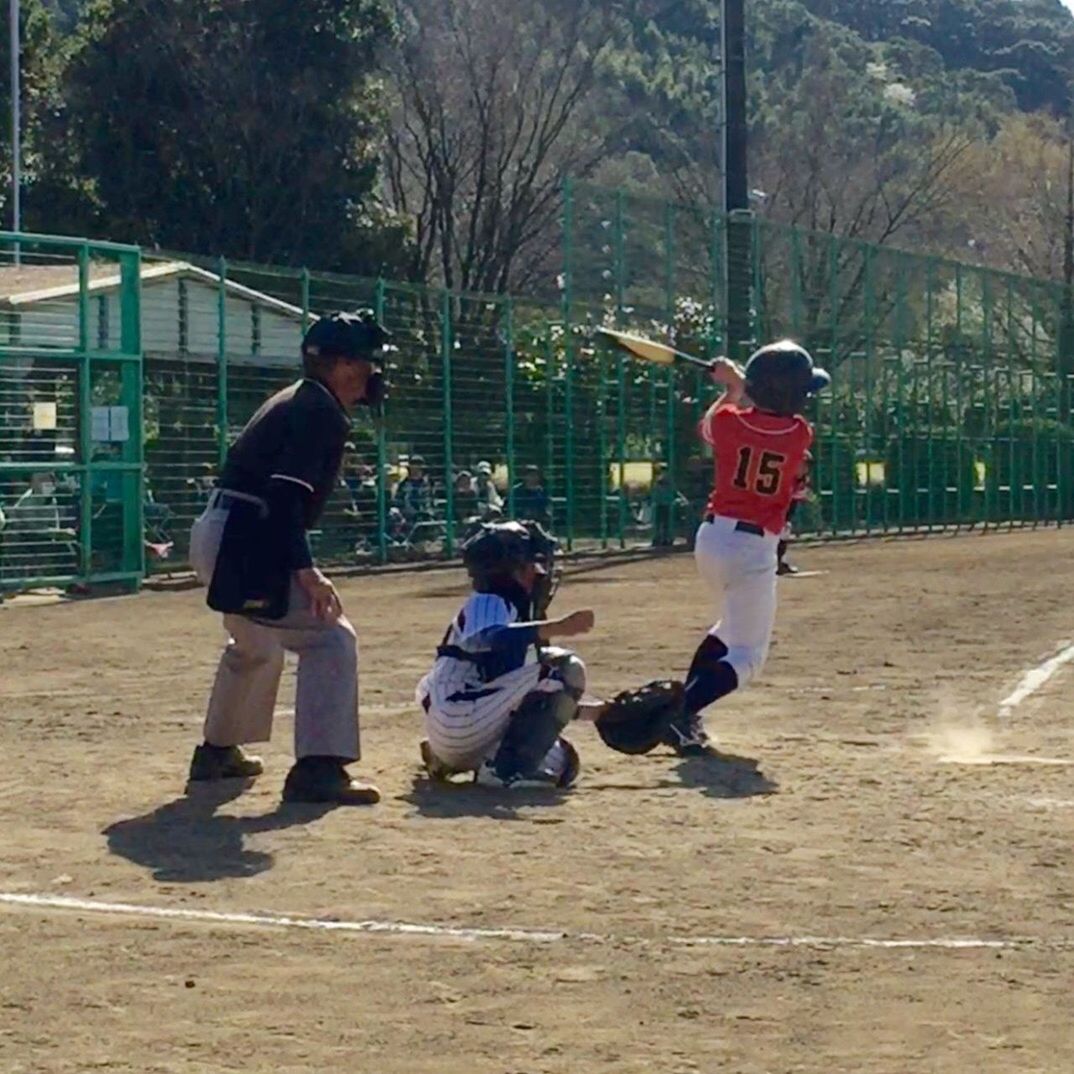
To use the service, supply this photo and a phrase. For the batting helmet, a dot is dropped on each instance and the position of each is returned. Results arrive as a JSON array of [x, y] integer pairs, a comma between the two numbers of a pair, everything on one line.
[[782, 376]]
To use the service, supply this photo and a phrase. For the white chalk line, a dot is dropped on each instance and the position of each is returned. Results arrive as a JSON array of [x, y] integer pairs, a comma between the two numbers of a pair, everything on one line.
[[64, 903], [1035, 678]]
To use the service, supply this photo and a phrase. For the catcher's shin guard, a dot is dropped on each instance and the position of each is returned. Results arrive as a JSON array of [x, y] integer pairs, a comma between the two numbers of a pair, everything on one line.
[[532, 732]]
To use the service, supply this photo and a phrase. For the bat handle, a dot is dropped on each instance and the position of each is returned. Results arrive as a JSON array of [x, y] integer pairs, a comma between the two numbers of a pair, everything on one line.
[[698, 363]]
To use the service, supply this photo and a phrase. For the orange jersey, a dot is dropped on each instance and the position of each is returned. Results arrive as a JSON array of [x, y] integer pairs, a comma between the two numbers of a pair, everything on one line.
[[758, 459]]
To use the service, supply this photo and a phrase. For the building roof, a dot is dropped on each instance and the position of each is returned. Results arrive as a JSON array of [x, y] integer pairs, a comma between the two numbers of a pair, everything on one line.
[[27, 285]]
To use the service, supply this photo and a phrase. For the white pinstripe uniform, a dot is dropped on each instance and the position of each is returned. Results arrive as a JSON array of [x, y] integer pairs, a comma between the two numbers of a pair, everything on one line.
[[466, 715]]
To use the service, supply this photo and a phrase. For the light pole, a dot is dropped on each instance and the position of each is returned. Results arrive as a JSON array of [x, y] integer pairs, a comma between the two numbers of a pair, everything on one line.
[[16, 118], [738, 264]]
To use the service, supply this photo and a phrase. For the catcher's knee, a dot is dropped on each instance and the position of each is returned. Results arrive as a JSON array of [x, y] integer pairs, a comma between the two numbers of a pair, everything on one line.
[[569, 669], [533, 731]]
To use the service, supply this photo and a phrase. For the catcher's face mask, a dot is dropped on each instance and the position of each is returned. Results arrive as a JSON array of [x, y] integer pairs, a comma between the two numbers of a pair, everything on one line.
[[544, 586], [376, 389]]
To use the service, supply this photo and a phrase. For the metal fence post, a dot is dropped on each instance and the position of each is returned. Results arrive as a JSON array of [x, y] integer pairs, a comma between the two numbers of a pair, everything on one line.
[[508, 328], [870, 395], [382, 447], [602, 447], [447, 344], [85, 406], [549, 411], [568, 407], [221, 364], [620, 443], [305, 284], [669, 449], [568, 351]]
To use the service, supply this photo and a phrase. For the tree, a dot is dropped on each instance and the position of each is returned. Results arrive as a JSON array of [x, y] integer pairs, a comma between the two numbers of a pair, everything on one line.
[[493, 107], [42, 57], [228, 126], [1015, 190]]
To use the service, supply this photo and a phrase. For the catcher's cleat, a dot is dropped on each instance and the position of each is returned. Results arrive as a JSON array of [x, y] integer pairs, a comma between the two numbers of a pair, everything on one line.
[[688, 738], [211, 763], [558, 771], [324, 781], [436, 770]]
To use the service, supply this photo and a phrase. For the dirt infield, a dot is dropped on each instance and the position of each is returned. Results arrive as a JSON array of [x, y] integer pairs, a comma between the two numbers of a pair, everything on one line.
[[875, 796]]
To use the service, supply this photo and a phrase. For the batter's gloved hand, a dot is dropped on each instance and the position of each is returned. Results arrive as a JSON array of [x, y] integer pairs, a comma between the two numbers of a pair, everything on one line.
[[637, 721]]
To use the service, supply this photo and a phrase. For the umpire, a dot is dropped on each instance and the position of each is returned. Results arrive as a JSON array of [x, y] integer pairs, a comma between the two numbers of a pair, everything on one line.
[[251, 548]]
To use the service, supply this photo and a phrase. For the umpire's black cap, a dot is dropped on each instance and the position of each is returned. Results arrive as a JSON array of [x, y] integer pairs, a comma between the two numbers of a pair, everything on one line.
[[358, 335]]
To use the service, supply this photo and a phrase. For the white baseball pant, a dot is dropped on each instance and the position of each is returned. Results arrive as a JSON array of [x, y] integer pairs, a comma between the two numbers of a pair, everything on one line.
[[739, 569]]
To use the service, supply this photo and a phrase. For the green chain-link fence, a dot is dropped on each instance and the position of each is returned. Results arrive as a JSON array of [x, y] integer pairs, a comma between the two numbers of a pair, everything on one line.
[[70, 413], [950, 407], [953, 383]]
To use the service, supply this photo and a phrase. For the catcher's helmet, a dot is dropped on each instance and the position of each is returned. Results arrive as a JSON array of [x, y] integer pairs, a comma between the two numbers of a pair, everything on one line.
[[500, 548], [782, 376]]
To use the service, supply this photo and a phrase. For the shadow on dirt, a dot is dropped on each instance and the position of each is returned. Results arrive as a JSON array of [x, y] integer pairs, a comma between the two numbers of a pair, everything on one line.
[[447, 801], [185, 841], [722, 775]]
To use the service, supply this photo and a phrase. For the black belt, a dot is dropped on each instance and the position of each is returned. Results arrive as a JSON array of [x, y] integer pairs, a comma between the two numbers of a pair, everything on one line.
[[742, 527], [227, 500]]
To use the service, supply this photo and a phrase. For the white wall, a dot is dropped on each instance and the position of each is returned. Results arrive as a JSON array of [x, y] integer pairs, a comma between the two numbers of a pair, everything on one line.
[[55, 324]]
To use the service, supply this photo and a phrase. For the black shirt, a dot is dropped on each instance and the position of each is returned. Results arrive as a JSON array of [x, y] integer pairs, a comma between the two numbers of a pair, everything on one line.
[[297, 437]]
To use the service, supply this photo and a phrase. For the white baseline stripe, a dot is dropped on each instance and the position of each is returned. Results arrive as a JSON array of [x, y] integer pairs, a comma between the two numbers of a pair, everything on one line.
[[1035, 678], [522, 935]]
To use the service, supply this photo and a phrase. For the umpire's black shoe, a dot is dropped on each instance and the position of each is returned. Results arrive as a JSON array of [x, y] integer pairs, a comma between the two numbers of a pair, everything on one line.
[[325, 781], [211, 763], [688, 738]]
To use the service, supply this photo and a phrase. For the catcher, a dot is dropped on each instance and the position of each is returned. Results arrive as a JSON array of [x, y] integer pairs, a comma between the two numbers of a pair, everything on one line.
[[497, 699]]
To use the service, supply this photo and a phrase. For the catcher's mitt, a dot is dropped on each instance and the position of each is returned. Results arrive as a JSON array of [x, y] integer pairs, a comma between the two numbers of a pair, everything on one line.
[[636, 721]]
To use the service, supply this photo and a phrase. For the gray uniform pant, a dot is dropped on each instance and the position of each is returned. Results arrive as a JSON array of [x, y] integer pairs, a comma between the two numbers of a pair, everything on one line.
[[243, 699]]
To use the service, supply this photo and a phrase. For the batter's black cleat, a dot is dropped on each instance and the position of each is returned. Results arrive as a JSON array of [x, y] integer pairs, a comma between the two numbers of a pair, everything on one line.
[[325, 781], [211, 763], [688, 738]]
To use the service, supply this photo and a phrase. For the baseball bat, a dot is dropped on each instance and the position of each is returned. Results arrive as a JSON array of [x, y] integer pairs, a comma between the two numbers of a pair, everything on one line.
[[649, 351]]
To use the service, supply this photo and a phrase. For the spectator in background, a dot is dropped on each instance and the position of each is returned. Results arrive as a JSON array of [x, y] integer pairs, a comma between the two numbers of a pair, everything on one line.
[[37, 510], [666, 503], [205, 480], [464, 498], [40, 535], [532, 502], [489, 500], [414, 494]]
